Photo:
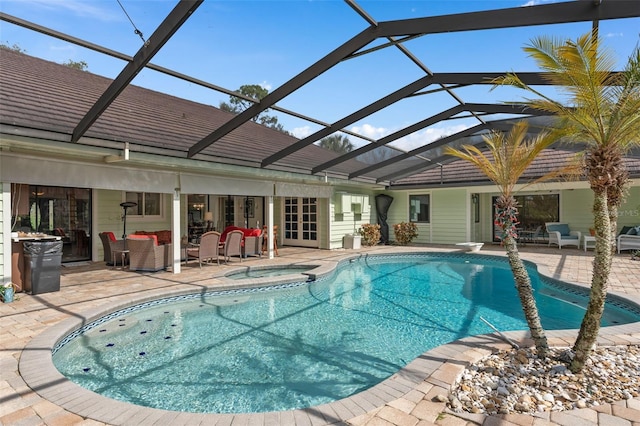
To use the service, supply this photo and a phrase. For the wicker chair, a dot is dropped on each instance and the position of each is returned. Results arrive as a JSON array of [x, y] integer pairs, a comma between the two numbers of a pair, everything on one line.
[[232, 245], [109, 244], [207, 250], [146, 255], [252, 245]]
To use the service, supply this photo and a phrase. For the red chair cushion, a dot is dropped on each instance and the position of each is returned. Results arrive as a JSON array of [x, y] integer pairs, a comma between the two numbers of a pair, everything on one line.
[[112, 236]]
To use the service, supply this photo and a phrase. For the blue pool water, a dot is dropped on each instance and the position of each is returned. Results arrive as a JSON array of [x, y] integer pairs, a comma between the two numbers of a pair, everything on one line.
[[305, 344]]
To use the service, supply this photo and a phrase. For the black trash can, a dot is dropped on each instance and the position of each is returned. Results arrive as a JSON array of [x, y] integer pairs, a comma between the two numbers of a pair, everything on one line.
[[43, 262]]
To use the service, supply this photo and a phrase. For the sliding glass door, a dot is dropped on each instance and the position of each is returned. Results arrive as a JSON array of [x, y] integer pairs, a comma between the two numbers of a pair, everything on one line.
[[54, 210]]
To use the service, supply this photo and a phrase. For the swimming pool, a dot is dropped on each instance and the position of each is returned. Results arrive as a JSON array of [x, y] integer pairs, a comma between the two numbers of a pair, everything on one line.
[[288, 334], [268, 271]]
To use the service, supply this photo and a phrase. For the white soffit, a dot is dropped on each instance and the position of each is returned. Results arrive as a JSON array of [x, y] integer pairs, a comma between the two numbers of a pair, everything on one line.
[[284, 189], [198, 184], [64, 173]]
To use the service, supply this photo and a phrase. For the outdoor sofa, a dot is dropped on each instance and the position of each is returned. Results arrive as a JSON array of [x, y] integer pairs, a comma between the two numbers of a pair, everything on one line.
[[629, 238], [561, 235]]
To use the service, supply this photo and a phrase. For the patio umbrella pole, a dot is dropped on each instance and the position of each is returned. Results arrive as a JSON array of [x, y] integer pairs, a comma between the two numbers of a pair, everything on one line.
[[125, 206]]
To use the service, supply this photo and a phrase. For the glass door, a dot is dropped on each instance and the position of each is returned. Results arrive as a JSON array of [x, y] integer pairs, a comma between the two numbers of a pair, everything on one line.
[[301, 221], [54, 210]]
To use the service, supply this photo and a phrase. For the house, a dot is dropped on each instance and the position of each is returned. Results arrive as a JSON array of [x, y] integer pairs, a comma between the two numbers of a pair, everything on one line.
[[67, 171], [137, 151]]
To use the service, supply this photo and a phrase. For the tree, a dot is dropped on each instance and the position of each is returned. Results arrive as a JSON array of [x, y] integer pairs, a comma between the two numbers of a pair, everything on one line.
[[337, 143], [15, 47], [79, 65], [603, 111], [509, 157], [238, 104]]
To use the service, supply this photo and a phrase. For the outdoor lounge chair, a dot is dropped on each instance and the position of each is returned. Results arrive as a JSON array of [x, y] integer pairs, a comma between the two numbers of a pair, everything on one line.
[[629, 238], [207, 250], [109, 244], [146, 255], [561, 235], [232, 245]]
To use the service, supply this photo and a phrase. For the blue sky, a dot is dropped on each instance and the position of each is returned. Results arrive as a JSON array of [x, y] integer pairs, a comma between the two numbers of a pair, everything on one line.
[[231, 43]]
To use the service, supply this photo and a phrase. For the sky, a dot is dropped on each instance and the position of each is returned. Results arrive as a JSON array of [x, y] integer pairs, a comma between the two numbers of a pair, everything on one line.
[[267, 42]]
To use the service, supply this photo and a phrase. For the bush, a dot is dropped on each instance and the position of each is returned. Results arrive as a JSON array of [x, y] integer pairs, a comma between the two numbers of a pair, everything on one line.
[[405, 232], [370, 233]]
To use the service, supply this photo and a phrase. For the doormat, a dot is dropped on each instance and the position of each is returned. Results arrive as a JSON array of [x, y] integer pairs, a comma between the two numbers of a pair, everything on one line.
[[72, 264]]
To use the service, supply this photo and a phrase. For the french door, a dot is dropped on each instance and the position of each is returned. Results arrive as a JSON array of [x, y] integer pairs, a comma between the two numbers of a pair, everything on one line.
[[301, 221]]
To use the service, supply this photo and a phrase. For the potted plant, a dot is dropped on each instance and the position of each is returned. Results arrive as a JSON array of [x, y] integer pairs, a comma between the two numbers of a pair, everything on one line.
[[405, 232], [635, 254], [8, 291], [370, 233]]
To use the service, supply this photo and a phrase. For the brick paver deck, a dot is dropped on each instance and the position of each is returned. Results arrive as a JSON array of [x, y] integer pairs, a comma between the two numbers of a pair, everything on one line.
[[407, 398]]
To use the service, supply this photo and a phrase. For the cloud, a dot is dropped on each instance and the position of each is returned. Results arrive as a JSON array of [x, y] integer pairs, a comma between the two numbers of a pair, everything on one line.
[[537, 2], [370, 131], [301, 132], [412, 141], [266, 85], [609, 35], [425, 137]]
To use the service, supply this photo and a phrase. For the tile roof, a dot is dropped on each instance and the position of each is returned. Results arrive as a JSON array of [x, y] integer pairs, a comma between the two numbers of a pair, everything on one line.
[[462, 173], [43, 95]]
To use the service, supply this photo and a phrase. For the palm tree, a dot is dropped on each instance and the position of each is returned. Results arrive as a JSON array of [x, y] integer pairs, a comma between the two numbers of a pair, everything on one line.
[[509, 156], [337, 143], [603, 112]]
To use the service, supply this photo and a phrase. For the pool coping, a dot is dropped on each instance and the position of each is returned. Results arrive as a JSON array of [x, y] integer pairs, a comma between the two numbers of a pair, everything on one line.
[[421, 381]]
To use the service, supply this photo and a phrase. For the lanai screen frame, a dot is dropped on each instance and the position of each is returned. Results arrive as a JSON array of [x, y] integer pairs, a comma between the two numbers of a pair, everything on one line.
[[396, 33]]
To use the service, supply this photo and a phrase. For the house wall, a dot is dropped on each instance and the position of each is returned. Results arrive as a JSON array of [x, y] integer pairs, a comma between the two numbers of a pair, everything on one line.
[[108, 217], [629, 213], [399, 212], [5, 241], [348, 211], [575, 209], [449, 216]]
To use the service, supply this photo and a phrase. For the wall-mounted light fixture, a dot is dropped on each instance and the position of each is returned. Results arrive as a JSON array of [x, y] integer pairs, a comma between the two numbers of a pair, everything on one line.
[[475, 198]]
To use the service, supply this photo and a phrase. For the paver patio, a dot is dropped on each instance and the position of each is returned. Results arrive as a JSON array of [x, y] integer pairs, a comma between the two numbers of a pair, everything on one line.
[[397, 401]]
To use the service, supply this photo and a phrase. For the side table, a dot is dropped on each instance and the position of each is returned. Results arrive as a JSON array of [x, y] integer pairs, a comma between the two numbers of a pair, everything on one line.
[[588, 241], [123, 257]]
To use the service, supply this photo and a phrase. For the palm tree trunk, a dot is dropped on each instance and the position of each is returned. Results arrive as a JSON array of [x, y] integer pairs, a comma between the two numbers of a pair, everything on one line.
[[525, 292], [601, 267]]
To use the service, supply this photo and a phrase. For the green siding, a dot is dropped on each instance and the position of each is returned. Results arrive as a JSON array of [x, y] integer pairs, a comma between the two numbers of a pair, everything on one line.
[[629, 213], [576, 209], [449, 213]]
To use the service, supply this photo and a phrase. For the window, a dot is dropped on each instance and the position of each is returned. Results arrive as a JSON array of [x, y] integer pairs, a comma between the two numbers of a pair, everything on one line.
[[533, 212], [148, 203], [419, 208]]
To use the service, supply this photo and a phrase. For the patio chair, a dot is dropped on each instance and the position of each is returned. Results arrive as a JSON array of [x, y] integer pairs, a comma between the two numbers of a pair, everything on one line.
[[207, 250], [232, 245], [561, 235], [629, 238], [146, 255], [109, 244], [252, 245]]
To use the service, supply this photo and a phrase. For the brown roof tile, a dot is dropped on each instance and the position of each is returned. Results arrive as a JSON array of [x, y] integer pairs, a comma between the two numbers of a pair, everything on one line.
[[45, 95]]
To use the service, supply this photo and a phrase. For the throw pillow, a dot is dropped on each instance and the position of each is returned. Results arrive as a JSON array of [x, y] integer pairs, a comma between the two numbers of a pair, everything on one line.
[[624, 230]]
